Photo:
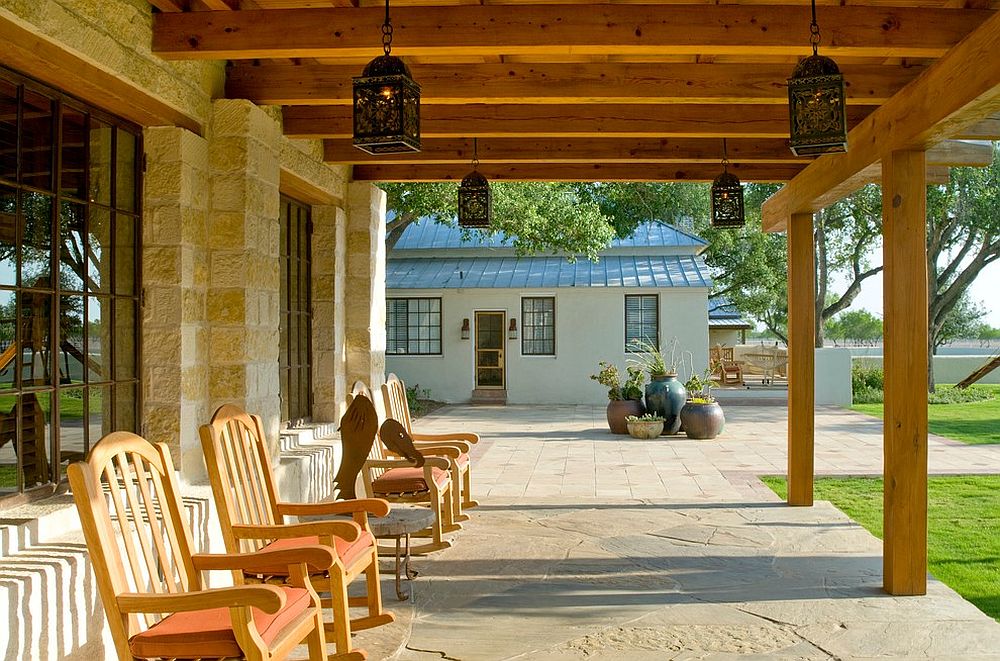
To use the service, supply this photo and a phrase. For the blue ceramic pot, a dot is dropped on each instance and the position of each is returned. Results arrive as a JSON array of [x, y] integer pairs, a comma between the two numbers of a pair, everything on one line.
[[665, 396]]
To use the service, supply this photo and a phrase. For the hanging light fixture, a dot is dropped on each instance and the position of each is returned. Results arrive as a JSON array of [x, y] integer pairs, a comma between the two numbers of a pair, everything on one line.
[[386, 103], [727, 197], [475, 206], [816, 103]]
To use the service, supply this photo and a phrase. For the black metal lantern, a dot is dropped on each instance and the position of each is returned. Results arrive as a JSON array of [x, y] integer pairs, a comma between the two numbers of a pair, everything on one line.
[[386, 103], [727, 197], [816, 103], [475, 204]]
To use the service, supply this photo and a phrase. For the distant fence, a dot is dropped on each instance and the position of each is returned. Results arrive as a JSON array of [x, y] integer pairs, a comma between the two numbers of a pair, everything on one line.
[[948, 369]]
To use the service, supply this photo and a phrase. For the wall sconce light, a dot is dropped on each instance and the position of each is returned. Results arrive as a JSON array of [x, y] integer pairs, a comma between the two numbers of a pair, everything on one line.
[[512, 331], [465, 328]]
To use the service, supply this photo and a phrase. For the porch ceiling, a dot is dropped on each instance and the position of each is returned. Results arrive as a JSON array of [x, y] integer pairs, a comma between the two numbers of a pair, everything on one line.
[[570, 90]]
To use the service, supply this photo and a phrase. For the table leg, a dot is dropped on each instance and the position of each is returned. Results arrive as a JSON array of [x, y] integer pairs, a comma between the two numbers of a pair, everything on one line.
[[402, 596]]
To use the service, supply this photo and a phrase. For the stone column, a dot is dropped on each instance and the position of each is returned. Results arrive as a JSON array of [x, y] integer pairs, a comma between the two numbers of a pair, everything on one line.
[[364, 287], [328, 272], [175, 280], [243, 239]]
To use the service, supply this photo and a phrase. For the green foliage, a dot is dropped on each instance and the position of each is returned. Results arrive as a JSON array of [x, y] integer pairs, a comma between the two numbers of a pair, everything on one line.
[[960, 322], [416, 398], [648, 358], [972, 423], [611, 378], [963, 527], [867, 382], [855, 326], [954, 395], [645, 417]]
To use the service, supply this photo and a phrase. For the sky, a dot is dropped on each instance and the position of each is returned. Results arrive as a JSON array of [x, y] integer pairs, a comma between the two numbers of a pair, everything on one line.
[[985, 290]]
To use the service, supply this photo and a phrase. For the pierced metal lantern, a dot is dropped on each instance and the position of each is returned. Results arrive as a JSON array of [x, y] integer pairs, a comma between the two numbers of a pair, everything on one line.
[[816, 108], [386, 103], [727, 201], [475, 206]]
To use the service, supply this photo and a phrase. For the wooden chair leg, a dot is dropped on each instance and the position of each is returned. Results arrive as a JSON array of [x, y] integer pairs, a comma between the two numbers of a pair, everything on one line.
[[456, 494], [449, 524], [467, 500], [373, 600], [340, 628]]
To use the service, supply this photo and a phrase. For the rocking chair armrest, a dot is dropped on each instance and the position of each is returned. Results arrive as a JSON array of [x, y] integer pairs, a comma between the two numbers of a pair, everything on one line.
[[314, 555], [373, 506], [348, 531], [438, 462], [467, 437], [461, 446], [268, 598], [450, 451]]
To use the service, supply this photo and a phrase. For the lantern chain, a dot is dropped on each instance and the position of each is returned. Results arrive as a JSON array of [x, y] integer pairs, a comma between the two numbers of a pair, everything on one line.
[[725, 156], [813, 29], [387, 31], [475, 153]]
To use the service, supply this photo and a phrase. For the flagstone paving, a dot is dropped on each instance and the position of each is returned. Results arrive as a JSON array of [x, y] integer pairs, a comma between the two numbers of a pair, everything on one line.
[[593, 546]]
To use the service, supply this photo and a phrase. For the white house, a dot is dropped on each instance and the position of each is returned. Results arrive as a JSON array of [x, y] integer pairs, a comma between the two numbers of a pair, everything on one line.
[[469, 319], [726, 326]]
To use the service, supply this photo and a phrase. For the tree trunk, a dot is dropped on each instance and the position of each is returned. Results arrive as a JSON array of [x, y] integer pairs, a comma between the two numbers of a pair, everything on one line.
[[822, 273]]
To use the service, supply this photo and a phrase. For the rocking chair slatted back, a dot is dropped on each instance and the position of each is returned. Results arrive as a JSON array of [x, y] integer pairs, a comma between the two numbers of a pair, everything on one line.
[[133, 520], [234, 442], [396, 405]]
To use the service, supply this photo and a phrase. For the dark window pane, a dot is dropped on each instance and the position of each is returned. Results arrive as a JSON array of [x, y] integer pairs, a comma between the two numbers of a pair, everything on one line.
[[8, 131], [37, 133], [125, 171], [99, 336], [35, 333], [73, 169], [99, 418], [72, 437], [125, 252], [36, 250], [72, 246], [125, 345], [34, 447], [100, 162], [8, 344], [99, 255], [8, 235], [71, 355]]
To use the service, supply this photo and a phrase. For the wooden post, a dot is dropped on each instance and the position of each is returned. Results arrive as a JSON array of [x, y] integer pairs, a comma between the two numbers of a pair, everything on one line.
[[801, 358], [904, 223]]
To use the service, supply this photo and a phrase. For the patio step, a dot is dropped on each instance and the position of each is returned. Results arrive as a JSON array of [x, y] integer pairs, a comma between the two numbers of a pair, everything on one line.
[[489, 396]]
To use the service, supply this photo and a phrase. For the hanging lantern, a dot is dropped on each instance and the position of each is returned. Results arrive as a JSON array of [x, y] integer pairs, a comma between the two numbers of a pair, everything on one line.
[[386, 103], [727, 197], [475, 206], [816, 103]]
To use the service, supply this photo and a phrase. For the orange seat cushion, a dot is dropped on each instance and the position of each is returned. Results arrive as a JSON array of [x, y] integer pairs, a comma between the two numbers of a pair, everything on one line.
[[348, 552], [209, 633], [407, 480]]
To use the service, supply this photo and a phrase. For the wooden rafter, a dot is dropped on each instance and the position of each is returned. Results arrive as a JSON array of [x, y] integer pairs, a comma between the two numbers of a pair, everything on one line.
[[764, 172], [597, 29], [317, 84], [607, 120], [957, 91]]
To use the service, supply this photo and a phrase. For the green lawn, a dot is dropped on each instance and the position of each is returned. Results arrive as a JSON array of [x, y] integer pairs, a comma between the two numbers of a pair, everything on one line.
[[963, 538], [975, 423]]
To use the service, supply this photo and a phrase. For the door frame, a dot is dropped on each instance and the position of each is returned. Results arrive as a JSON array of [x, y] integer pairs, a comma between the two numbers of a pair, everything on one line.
[[503, 349]]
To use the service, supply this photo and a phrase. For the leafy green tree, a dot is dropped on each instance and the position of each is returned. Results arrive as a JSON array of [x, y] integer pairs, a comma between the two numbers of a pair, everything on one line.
[[859, 326], [961, 322]]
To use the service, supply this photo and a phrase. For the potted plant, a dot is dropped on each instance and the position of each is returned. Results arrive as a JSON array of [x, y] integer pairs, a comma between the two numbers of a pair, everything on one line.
[[665, 395], [624, 399], [644, 426], [702, 416]]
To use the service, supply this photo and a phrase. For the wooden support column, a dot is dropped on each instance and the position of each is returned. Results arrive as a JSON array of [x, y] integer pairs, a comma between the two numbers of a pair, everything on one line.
[[801, 359], [904, 195]]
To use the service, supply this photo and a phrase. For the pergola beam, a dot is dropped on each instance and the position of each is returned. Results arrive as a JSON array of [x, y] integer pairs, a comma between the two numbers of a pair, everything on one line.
[[763, 172], [567, 121], [561, 29], [955, 92], [283, 83]]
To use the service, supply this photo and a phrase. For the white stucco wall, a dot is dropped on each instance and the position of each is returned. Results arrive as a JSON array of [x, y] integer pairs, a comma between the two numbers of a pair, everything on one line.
[[724, 336], [948, 369], [590, 326], [833, 377]]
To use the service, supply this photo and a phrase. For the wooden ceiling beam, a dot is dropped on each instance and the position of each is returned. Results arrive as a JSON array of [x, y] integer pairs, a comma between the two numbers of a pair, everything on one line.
[[955, 92], [987, 129], [568, 121], [572, 150], [581, 29], [317, 84], [762, 172]]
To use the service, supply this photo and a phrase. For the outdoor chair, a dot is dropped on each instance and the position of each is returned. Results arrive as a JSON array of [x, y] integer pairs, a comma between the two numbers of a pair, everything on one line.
[[150, 580], [401, 480], [397, 407], [725, 367], [252, 517]]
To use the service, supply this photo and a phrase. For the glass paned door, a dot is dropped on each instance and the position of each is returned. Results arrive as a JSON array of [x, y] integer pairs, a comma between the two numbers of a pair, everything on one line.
[[489, 350]]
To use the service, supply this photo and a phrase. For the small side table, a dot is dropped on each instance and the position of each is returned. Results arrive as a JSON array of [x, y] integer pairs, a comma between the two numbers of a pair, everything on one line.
[[401, 521]]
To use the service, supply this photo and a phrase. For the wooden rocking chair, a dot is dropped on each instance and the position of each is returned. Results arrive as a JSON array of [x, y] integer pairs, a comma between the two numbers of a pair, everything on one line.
[[724, 365], [140, 545], [239, 468], [397, 407], [400, 480]]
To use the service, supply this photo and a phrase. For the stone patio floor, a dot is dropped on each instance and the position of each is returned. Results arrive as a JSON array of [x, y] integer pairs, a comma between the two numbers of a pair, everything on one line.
[[593, 546]]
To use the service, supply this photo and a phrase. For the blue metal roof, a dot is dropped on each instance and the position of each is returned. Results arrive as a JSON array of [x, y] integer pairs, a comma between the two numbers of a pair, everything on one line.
[[723, 314], [547, 272], [425, 234]]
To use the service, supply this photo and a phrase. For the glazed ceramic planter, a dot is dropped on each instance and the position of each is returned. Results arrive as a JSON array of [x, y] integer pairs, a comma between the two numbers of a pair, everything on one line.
[[618, 409], [703, 421], [665, 397], [644, 428]]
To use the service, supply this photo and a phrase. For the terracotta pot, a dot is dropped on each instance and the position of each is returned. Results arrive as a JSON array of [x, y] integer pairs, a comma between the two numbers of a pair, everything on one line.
[[703, 421], [644, 428], [618, 409]]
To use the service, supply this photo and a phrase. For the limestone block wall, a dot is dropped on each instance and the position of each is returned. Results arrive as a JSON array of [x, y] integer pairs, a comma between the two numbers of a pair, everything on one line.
[[328, 270], [365, 285]]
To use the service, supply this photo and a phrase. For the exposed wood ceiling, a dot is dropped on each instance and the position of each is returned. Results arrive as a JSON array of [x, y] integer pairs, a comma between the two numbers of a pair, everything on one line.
[[573, 90]]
